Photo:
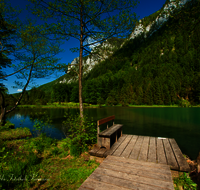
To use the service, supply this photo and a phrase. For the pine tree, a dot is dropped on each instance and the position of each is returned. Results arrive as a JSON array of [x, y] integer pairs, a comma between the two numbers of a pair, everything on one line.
[[157, 92], [139, 96], [167, 98], [172, 91]]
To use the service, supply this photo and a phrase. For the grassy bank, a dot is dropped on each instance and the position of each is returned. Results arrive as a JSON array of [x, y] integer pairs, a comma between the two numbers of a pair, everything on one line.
[[76, 105], [155, 106], [41, 163], [59, 105], [85, 105]]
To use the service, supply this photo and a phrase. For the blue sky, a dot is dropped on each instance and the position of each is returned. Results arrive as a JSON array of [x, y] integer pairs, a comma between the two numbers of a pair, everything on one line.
[[143, 9]]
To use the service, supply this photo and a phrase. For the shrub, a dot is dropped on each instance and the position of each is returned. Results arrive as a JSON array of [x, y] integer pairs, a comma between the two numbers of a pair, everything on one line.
[[81, 132], [185, 181], [184, 103]]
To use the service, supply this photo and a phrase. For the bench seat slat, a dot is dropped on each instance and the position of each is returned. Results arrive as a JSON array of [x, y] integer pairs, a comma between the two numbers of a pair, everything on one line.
[[108, 132]]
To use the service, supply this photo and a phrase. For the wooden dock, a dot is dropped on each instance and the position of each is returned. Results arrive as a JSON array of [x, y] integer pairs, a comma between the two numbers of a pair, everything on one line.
[[146, 149], [118, 173]]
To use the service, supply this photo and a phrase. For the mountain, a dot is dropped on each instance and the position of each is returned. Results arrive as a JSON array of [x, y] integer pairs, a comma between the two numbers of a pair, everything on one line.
[[148, 25], [157, 64]]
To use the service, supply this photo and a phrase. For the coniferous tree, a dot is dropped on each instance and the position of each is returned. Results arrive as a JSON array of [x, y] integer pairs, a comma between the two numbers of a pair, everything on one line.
[[139, 95], [167, 98], [172, 90]]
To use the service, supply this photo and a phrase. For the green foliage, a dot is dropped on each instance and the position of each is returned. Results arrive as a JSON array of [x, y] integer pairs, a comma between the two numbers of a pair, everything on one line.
[[39, 144], [65, 144], [184, 103], [16, 168], [81, 133], [15, 133], [74, 94], [27, 163], [112, 98], [75, 174], [55, 151], [185, 181], [8, 125], [7, 32], [3, 156], [100, 101], [60, 93], [35, 96]]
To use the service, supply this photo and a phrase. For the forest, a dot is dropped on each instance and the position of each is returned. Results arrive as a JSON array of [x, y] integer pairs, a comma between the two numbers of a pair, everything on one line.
[[162, 68]]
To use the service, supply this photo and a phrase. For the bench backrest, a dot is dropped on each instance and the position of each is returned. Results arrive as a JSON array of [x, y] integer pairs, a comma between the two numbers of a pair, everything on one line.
[[105, 120]]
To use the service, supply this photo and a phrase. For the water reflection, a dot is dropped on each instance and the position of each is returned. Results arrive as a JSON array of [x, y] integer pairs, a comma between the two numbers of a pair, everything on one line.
[[183, 124]]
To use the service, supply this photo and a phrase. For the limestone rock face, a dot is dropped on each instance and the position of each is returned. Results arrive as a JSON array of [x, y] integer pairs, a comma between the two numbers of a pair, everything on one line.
[[98, 53], [157, 23]]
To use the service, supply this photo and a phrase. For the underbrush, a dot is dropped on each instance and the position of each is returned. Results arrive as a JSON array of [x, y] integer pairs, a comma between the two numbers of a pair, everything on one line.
[[42, 163], [184, 182]]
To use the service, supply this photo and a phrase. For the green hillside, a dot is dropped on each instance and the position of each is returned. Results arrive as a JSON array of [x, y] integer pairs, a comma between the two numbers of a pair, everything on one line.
[[163, 68]]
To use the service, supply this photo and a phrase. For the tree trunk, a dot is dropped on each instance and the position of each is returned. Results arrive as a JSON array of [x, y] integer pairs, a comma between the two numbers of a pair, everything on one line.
[[80, 65], [198, 163]]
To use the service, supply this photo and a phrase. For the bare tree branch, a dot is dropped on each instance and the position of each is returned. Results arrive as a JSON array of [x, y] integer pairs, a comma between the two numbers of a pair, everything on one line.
[[14, 72], [1, 46], [24, 89]]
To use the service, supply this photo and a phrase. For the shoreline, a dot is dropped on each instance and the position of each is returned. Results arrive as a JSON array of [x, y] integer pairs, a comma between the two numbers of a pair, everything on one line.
[[103, 106]]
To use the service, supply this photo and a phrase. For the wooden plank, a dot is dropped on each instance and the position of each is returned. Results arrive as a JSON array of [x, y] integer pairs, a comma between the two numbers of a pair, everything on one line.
[[133, 171], [122, 182], [160, 152], [101, 152], [171, 160], [136, 150], [115, 146], [97, 185], [113, 130], [94, 151], [129, 147], [144, 149], [122, 146], [105, 120], [152, 150], [146, 164], [108, 132], [183, 165], [138, 166], [135, 178]]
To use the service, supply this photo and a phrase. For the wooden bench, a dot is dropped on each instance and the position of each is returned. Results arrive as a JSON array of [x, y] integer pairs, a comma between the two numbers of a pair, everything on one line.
[[109, 136]]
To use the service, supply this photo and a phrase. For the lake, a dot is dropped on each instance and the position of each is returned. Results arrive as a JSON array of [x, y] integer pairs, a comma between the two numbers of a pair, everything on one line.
[[182, 124]]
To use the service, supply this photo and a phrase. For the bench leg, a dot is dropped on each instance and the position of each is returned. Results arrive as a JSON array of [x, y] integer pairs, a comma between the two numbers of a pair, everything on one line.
[[104, 142], [118, 134], [98, 141]]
